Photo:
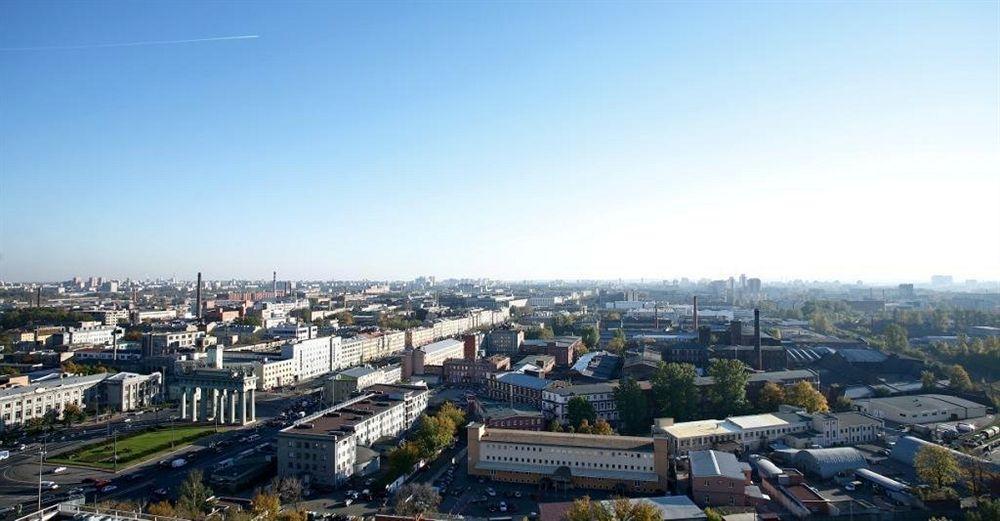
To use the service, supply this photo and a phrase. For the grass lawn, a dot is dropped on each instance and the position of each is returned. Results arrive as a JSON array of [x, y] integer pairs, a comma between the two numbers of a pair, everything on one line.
[[133, 448]]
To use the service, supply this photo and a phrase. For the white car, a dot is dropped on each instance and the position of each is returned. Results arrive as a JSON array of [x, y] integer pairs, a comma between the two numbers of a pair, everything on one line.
[[58, 470], [50, 485], [109, 488]]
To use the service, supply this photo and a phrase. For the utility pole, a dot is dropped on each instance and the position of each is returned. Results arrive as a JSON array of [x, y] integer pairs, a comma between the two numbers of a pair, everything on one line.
[[41, 458], [116, 450]]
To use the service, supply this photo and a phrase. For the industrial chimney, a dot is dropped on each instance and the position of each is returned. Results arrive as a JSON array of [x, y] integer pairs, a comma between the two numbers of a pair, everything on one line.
[[197, 298], [756, 339], [274, 284], [696, 314]]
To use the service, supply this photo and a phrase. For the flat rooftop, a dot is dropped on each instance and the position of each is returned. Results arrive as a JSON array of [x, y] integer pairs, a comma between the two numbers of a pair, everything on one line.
[[921, 403]]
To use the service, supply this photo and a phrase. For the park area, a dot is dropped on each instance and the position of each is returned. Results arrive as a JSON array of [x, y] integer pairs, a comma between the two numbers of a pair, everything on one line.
[[132, 448]]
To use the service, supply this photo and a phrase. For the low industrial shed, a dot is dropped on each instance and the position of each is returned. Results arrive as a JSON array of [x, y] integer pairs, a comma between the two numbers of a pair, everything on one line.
[[826, 463]]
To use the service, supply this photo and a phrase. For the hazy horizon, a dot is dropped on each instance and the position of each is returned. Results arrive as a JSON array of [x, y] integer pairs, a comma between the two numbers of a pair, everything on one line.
[[540, 141]]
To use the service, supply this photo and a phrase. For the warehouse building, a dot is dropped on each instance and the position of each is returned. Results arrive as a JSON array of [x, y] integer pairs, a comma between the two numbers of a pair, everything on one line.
[[922, 408], [557, 460], [827, 463]]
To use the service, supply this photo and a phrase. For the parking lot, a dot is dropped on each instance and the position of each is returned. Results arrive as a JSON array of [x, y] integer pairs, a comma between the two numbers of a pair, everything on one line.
[[480, 497]]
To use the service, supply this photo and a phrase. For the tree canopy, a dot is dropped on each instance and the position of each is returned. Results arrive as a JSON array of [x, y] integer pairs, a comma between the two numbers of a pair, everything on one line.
[[579, 409], [674, 392], [804, 395], [729, 392], [632, 409], [936, 466]]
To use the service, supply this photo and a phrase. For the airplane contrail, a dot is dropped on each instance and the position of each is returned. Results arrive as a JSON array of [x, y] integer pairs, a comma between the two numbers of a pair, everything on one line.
[[131, 44]]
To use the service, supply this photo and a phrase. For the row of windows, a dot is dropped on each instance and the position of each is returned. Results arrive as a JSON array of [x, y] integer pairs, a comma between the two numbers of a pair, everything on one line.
[[559, 450], [576, 464]]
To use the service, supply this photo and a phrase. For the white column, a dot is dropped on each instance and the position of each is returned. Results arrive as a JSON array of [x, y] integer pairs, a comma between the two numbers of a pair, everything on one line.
[[184, 403], [243, 408], [194, 403], [253, 405], [215, 403], [232, 406]]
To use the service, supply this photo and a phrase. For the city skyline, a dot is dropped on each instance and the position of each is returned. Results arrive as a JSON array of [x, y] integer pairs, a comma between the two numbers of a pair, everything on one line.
[[815, 141]]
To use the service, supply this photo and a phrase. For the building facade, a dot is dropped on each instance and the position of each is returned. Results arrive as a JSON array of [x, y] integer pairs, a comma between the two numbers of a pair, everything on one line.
[[560, 460]]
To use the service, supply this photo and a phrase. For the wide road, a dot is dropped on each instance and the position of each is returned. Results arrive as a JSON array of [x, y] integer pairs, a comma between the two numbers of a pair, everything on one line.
[[19, 475]]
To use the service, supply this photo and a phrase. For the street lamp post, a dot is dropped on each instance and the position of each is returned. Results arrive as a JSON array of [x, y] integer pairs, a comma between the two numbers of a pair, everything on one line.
[[41, 459]]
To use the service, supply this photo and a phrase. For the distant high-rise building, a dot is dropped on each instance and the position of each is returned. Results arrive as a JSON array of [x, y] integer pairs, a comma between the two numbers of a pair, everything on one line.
[[942, 280], [906, 291]]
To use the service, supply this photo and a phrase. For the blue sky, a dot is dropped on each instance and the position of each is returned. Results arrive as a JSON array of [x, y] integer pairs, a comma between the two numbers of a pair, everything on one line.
[[514, 140]]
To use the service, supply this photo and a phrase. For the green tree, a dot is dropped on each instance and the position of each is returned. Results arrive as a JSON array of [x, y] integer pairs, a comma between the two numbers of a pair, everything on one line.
[[987, 509], [72, 413], [455, 415], [959, 378], [266, 506], [896, 338], [841, 404], [345, 318], [539, 333], [713, 515], [632, 408], [402, 459], [927, 380], [579, 409], [803, 394], [292, 515], [674, 392], [728, 395], [590, 337], [434, 434], [193, 494], [820, 323], [936, 466], [770, 397], [162, 508], [555, 426], [603, 428], [620, 509], [617, 343], [248, 320]]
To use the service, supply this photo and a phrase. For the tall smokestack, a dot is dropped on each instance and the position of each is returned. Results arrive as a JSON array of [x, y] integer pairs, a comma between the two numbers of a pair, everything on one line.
[[197, 298], [756, 339], [274, 283], [696, 314], [38, 297]]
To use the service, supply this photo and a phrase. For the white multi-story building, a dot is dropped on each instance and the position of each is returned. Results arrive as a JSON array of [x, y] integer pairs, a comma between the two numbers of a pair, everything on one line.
[[381, 345], [555, 400], [341, 385], [90, 334], [419, 336], [153, 315], [793, 426], [19, 404], [349, 354], [322, 448], [272, 374], [294, 331], [313, 357], [110, 317]]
